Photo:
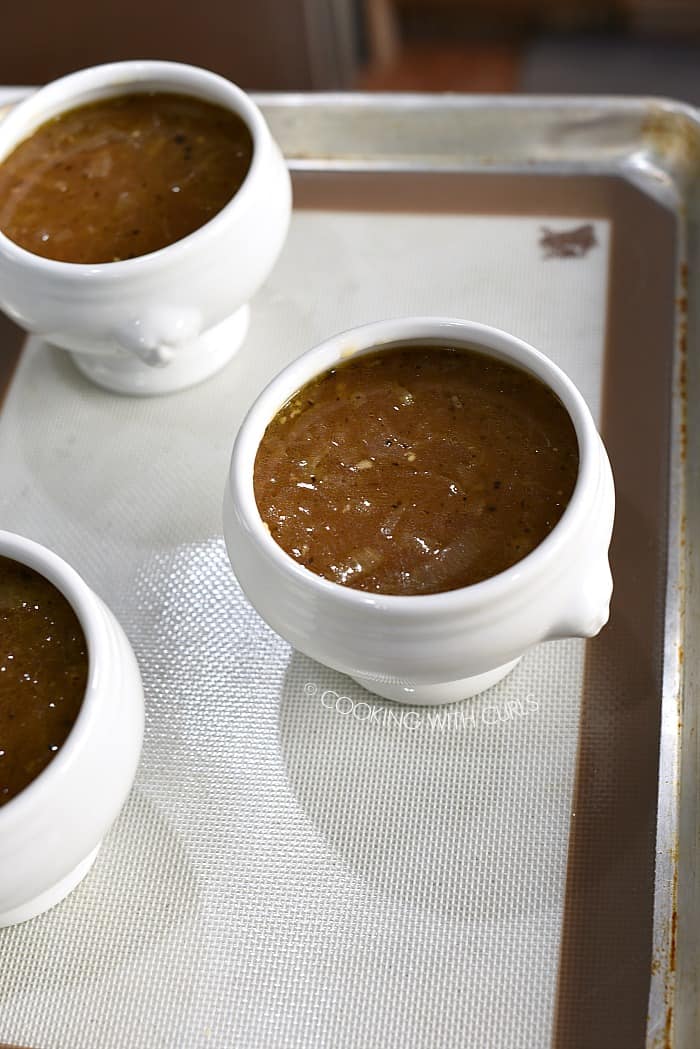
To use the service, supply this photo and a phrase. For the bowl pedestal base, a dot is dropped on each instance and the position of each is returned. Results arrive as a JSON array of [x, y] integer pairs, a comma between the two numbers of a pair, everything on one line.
[[50, 897], [434, 695], [123, 372]]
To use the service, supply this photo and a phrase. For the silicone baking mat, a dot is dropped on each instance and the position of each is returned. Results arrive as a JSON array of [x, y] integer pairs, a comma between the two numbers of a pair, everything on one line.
[[300, 863]]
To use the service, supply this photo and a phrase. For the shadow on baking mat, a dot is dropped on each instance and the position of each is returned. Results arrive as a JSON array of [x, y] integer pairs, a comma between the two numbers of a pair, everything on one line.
[[140, 893]]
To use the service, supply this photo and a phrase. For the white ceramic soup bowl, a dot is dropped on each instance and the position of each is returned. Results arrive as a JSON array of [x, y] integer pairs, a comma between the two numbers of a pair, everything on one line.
[[51, 831], [169, 319], [435, 648]]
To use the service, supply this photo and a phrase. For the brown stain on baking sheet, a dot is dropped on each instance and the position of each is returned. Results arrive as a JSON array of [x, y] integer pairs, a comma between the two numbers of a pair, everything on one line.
[[672, 137], [568, 243], [673, 946], [673, 943], [682, 307]]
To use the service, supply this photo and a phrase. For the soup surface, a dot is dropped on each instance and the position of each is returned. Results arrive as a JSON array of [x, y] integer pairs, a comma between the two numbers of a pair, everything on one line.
[[416, 470], [122, 177], [43, 674]]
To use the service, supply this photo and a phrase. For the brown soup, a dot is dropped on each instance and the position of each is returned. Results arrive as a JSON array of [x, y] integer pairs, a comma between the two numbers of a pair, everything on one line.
[[43, 674], [122, 177], [416, 470]]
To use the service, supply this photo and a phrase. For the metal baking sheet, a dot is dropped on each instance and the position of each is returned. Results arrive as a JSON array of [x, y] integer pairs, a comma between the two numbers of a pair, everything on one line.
[[299, 863]]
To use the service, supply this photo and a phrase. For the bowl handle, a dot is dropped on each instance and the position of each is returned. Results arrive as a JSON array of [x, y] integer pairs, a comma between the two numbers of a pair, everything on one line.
[[157, 335], [586, 611]]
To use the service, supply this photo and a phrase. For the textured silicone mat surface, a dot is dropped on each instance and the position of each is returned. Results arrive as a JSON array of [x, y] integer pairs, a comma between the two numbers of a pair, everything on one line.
[[299, 864]]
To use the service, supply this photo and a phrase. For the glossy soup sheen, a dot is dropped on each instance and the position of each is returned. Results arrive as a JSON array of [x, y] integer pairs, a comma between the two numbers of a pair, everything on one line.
[[122, 177], [416, 470], [43, 674]]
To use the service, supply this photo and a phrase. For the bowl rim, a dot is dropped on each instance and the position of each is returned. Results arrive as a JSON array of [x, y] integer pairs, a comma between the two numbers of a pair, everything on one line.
[[84, 603], [384, 335], [110, 80]]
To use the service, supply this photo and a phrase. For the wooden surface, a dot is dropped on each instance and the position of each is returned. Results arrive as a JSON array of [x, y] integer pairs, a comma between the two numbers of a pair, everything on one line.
[[487, 68], [266, 45]]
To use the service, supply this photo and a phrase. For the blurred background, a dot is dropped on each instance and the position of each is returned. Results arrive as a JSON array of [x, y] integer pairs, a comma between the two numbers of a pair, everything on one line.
[[564, 46]]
